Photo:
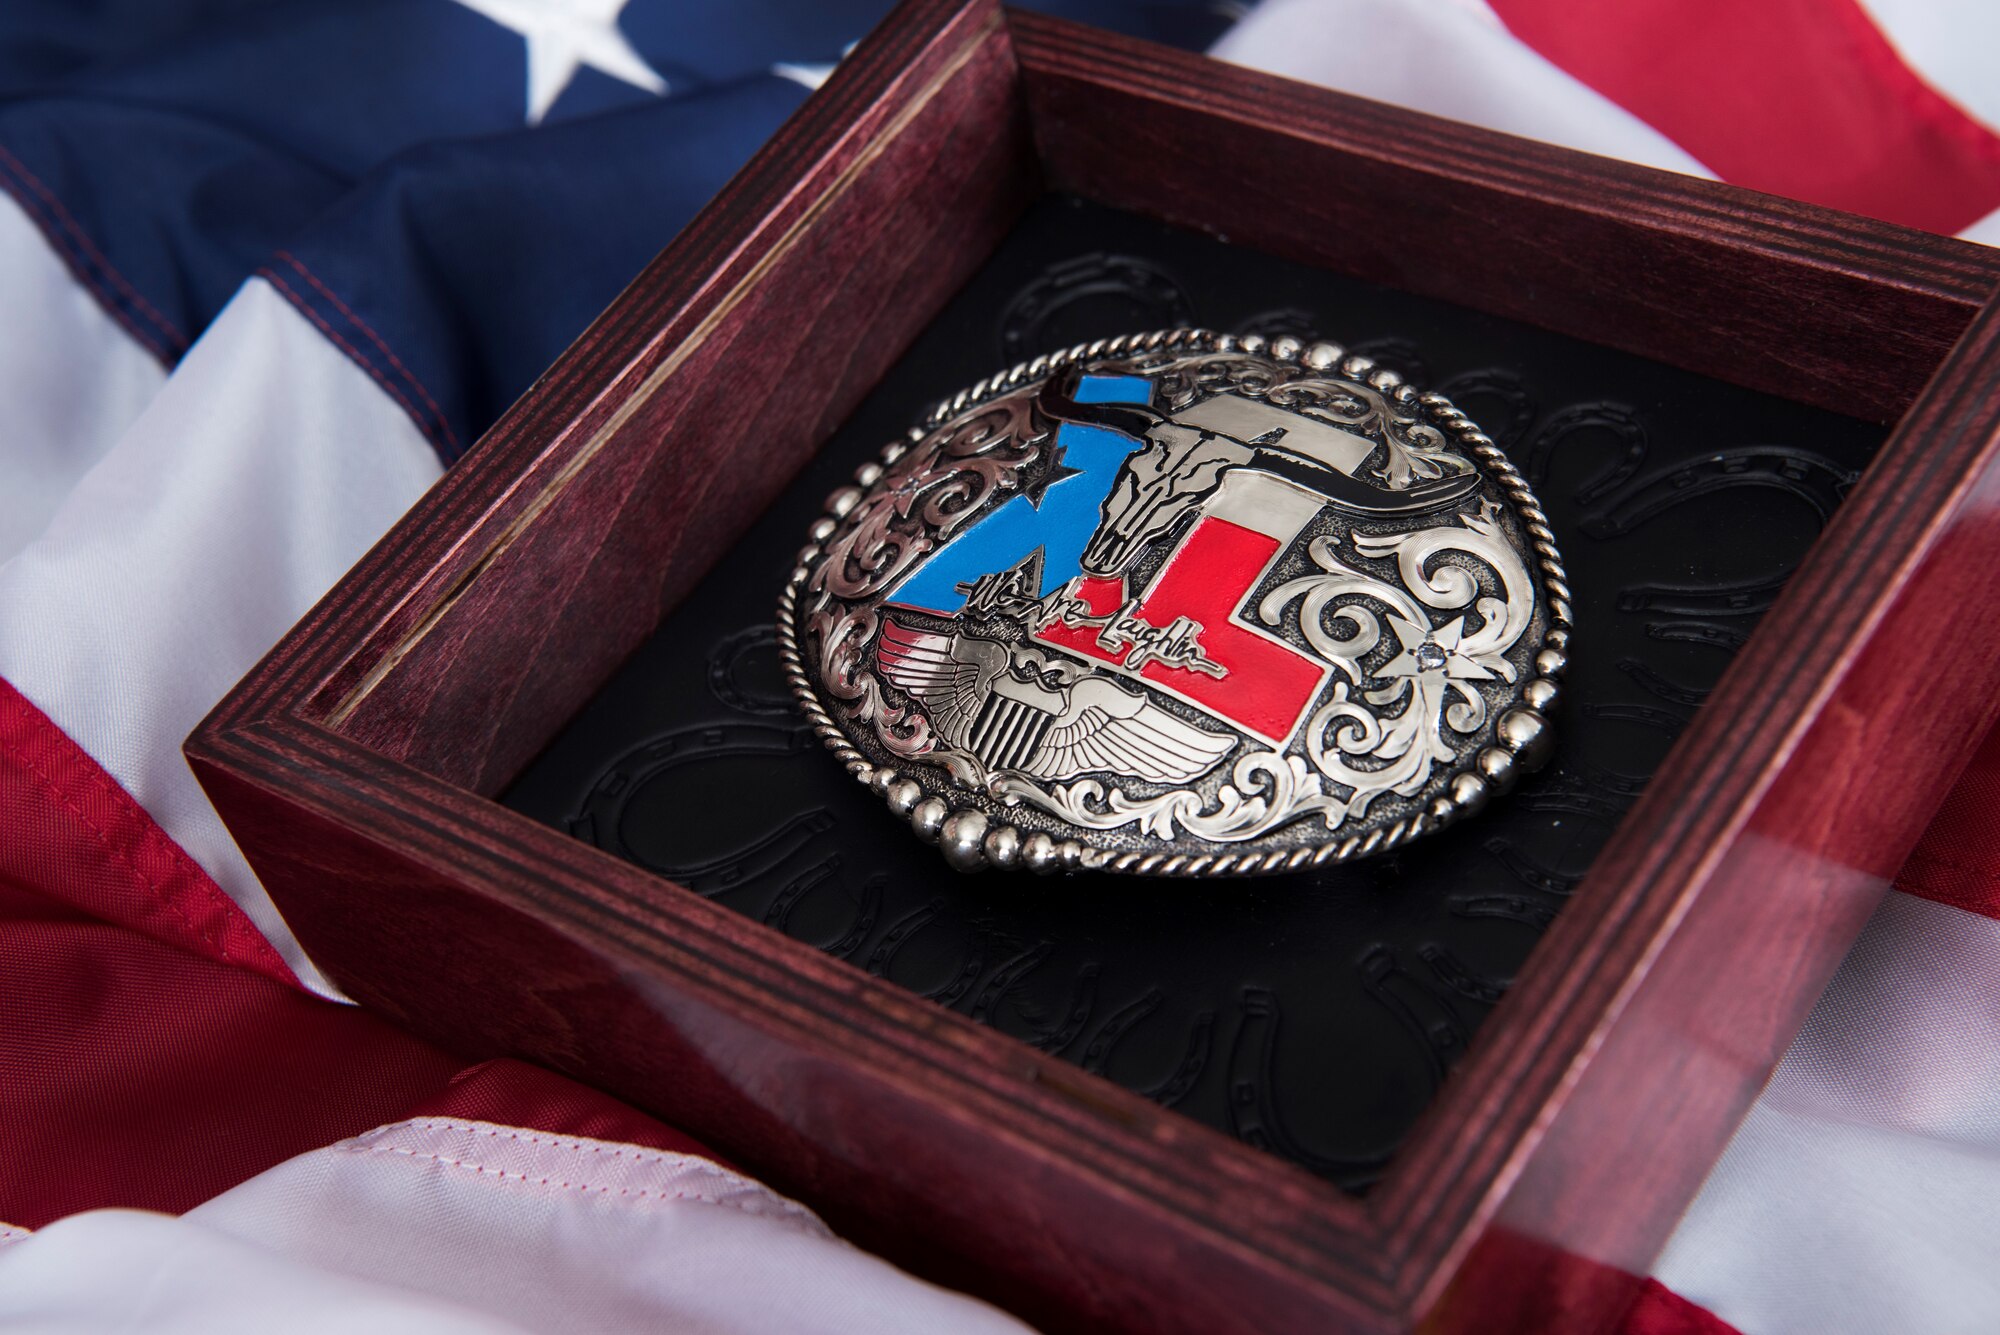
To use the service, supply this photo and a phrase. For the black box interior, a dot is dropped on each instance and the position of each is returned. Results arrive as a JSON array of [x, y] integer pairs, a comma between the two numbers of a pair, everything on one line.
[[1313, 1015]]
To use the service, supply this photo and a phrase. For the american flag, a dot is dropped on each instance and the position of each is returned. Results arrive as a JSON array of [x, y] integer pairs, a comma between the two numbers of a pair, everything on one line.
[[267, 269]]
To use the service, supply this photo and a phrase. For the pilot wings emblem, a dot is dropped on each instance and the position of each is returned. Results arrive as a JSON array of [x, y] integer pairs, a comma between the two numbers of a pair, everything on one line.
[[1094, 725]]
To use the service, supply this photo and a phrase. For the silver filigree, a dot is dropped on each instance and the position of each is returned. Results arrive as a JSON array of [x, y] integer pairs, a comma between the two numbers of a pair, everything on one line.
[[1407, 569]]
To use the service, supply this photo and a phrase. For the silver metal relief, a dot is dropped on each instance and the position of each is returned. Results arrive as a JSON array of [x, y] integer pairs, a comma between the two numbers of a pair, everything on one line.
[[1182, 603]]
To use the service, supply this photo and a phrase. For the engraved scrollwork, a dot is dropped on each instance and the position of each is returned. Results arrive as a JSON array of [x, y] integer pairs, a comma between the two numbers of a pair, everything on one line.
[[927, 494], [1429, 684], [970, 686], [901, 728], [1355, 742], [1267, 790]]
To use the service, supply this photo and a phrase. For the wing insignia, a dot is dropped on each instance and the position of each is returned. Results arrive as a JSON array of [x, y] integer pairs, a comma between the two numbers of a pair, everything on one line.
[[950, 675], [1109, 728], [1092, 726]]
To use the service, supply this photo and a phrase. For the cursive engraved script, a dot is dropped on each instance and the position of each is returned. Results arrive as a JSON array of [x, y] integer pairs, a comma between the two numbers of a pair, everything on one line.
[[1014, 592], [1176, 644]]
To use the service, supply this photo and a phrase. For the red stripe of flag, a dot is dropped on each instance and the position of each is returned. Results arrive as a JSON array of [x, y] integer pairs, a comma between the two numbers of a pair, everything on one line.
[[69, 831], [1803, 98], [134, 1073], [155, 1049]]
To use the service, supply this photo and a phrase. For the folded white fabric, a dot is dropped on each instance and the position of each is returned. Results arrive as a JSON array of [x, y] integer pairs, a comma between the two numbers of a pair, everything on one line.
[[449, 1227]]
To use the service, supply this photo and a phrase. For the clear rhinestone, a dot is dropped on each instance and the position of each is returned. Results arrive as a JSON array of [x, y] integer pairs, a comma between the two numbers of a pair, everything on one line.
[[1429, 657]]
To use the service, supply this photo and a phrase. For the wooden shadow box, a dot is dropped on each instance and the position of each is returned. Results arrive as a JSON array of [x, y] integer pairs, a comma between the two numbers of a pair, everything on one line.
[[358, 764]]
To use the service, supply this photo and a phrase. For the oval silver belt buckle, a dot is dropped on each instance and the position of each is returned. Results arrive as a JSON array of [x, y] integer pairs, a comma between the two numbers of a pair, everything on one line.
[[1181, 603]]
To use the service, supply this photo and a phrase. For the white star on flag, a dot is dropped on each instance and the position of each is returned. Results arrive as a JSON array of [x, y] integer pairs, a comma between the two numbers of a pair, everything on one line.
[[810, 75], [564, 34]]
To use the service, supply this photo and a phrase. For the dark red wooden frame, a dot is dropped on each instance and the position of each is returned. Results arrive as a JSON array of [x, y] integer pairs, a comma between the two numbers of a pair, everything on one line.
[[357, 763]]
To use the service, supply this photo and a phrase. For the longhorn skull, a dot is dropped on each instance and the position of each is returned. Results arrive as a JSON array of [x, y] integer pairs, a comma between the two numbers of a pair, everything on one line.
[[1186, 456], [1179, 468]]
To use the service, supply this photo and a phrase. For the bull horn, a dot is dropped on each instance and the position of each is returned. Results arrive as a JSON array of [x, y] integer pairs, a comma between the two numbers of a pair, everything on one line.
[[1057, 401], [1358, 493]]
